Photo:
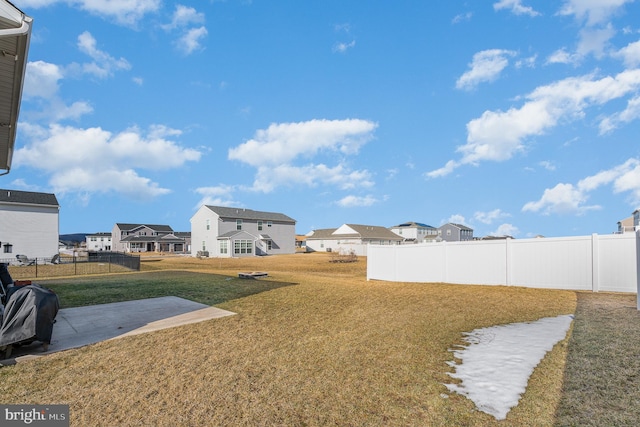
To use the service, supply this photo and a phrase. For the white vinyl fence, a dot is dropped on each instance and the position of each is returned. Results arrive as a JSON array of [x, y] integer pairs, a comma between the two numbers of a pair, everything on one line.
[[595, 263]]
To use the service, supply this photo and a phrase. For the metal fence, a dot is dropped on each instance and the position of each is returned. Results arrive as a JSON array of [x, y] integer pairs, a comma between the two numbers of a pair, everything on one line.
[[79, 264]]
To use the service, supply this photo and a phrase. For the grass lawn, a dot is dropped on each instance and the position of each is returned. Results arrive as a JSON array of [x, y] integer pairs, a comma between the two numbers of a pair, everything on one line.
[[312, 344]]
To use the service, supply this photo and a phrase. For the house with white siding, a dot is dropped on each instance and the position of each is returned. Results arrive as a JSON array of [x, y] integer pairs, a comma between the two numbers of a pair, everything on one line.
[[218, 231], [98, 242], [415, 232], [350, 238], [29, 224]]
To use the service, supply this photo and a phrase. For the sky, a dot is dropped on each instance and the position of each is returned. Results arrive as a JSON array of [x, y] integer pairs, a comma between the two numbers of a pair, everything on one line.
[[497, 362], [512, 117]]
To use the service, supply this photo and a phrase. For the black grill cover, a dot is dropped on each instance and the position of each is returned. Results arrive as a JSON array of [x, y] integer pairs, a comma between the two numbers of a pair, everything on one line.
[[29, 315]]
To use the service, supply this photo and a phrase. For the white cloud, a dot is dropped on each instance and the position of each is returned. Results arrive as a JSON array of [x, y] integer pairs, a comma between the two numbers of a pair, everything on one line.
[[95, 160], [357, 201], [184, 16], [629, 114], [463, 17], [567, 198], [456, 219], [343, 47], [125, 12], [269, 178], [630, 54], [103, 64], [220, 195], [594, 41], [41, 80], [281, 143], [486, 66], [187, 21], [275, 152], [561, 199], [561, 56], [191, 40], [449, 167], [498, 135], [505, 230], [547, 165], [516, 7], [490, 217], [592, 11]]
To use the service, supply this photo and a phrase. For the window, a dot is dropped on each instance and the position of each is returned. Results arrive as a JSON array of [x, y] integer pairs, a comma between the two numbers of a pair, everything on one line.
[[93, 239], [238, 224], [268, 245], [269, 224], [242, 246], [208, 224], [224, 247], [204, 245], [8, 248], [259, 225], [448, 232]]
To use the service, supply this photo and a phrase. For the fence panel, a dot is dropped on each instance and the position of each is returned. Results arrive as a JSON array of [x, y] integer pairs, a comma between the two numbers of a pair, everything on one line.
[[556, 263], [598, 263]]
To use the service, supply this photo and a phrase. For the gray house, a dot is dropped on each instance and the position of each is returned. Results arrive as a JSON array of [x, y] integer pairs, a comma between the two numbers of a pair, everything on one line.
[[455, 232], [146, 238], [29, 224], [218, 231]]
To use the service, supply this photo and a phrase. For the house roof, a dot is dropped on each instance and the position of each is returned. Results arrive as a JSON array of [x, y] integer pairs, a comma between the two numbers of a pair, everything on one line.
[[100, 234], [15, 35], [460, 226], [249, 214], [412, 224], [129, 227], [165, 238], [28, 197], [367, 232]]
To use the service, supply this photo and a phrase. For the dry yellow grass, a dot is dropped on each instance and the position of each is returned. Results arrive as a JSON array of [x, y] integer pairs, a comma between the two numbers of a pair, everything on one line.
[[334, 349]]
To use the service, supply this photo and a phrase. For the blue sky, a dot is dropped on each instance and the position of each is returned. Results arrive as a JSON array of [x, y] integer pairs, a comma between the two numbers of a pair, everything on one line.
[[516, 117]]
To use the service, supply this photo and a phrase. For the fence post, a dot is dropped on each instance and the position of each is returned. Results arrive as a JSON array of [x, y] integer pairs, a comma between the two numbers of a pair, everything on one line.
[[638, 268], [595, 263]]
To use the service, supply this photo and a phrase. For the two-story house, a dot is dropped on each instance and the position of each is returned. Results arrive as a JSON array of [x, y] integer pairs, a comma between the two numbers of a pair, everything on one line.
[[98, 242], [146, 238], [29, 224], [218, 231], [455, 232], [415, 232]]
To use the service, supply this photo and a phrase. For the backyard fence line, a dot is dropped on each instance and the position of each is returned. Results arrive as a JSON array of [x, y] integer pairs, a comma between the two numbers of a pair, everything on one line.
[[591, 263], [90, 263]]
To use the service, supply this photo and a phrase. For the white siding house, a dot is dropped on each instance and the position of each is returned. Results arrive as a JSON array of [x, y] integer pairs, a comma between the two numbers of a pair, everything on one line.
[[98, 242], [218, 231], [415, 232], [29, 224], [350, 238]]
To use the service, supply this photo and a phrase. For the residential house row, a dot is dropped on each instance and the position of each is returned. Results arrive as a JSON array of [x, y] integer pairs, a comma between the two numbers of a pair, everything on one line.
[[29, 225]]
